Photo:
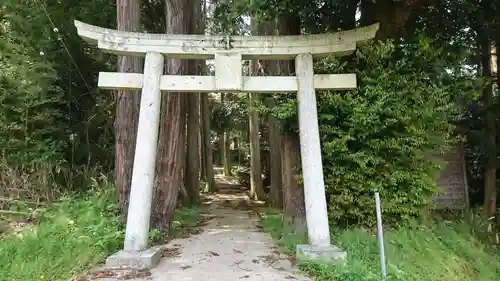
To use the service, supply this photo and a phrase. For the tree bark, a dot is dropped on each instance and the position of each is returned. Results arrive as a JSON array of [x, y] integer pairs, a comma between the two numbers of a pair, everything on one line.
[[275, 197], [127, 106], [203, 174], [293, 190], [497, 191], [208, 163], [256, 186], [171, 146], [207, 146], [490, 189], [192, 168], [192, 171], [224, 145], [227, 154]]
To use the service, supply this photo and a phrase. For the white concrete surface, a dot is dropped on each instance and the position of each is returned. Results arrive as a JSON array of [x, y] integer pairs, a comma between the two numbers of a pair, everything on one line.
[[310, 150], [208, 84], [141, 193], [190, 46], [228, 71], [231, 247]]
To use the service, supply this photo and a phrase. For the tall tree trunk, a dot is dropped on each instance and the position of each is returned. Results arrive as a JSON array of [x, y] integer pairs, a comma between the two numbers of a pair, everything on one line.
[[192, 168], [274, 139], [203, 175], [224, 145], [497, 55], [490, 189], [207, 145], [220, 145], [127, 106], [227, 154], [208, 165], [171, 147], [293, 190], [256, 185]]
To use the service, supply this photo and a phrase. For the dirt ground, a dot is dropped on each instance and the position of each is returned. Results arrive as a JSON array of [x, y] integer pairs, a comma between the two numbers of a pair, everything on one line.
[[229, 246]]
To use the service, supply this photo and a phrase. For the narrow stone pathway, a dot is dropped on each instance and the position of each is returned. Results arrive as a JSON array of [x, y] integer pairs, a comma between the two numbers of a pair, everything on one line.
[[230, 247]]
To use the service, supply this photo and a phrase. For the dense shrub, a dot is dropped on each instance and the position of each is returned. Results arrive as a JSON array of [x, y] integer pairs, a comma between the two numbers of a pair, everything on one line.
[[380, 135], [52, 120]]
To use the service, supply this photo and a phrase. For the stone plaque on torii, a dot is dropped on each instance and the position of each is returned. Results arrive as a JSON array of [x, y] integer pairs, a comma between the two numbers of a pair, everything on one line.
[[228, 54]]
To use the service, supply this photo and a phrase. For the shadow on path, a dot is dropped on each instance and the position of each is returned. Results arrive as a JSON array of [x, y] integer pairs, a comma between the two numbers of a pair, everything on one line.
[[230, 246]]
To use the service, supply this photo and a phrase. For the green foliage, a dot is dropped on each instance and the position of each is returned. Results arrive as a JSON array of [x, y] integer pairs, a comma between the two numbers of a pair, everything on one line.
[[186, 217], [232, 114], [381, 136], [52, 119], [30, 115], [68, 237], [427, 252], [272, 223], [430, 252], [184, 220]]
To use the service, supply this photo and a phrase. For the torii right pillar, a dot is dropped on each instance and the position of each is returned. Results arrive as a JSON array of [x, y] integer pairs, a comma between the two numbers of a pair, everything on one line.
[[319, 247]]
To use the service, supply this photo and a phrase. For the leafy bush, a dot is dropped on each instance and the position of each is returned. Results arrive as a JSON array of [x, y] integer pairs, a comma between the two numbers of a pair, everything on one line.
[[380, 136], [30, 115], [52, 119]]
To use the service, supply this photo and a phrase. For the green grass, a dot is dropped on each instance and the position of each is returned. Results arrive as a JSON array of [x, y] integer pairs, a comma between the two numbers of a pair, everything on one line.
[[428, 252], [71, 236], [186, 217], [184, 220]]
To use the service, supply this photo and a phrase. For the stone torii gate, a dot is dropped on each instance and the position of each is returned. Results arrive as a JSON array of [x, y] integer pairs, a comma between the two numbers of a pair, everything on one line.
[[228, 53]]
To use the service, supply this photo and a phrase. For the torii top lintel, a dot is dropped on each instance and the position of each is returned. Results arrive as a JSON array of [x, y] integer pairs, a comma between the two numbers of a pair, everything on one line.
[[205, 46]]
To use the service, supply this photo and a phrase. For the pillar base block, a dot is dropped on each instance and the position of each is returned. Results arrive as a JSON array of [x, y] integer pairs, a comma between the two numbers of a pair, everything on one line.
[[145, 259], [329, 254]]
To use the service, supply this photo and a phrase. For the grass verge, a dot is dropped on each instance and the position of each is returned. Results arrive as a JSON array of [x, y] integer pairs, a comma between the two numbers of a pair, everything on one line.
[[429, 252], [70, 236], [66, 239], [184, 221]]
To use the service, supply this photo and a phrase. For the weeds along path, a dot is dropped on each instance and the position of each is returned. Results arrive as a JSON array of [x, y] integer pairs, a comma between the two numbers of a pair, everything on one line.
[[230, 246]]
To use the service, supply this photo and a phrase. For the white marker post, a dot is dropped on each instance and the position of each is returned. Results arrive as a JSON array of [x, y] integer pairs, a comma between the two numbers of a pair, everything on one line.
[[380, 234]]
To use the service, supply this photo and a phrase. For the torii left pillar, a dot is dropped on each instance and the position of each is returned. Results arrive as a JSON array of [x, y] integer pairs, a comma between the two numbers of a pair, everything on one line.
[[136, 253]]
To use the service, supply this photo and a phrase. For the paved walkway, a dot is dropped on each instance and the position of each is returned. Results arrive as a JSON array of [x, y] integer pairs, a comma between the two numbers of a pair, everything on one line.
[[230, 247]]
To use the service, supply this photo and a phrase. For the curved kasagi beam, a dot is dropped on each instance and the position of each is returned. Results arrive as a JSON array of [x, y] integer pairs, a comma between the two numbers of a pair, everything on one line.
[[198, 46], [205, 46]]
